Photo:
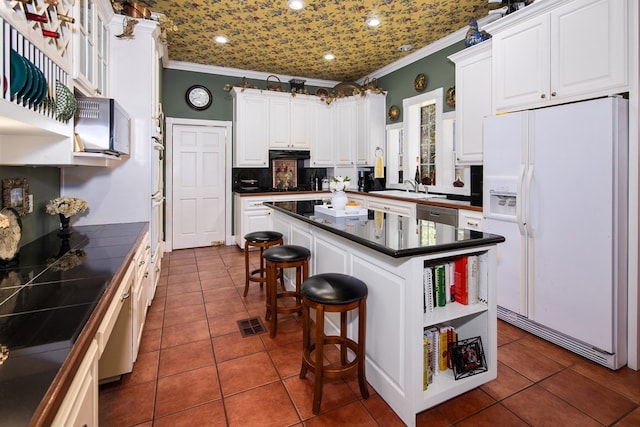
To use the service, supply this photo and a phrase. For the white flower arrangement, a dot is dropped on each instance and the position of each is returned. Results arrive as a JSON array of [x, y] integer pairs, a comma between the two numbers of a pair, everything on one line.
[[67, 206], [339, 183]]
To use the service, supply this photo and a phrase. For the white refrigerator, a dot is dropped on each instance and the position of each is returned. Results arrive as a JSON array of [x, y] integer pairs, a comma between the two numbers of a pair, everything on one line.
[[555, 185]]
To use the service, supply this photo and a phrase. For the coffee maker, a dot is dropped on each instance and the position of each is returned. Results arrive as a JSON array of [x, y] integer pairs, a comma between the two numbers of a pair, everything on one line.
[[367, 181]]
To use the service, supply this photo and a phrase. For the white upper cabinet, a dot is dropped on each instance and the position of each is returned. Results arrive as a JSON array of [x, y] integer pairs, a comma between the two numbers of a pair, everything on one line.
[[345, 131], [560, 52], [301, 122], [473, 100], [322, 134], [279, 120], [91, 47], [289, 121], [250, 128], [370, 128]]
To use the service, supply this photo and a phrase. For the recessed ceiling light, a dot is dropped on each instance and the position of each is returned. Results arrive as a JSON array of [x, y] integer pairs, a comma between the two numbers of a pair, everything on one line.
[[329, 57], [373, 21], [405, 48], [296, 4], [221, 39]]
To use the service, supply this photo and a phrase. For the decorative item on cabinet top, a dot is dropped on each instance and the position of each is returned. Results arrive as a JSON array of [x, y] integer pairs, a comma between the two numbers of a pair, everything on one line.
[[273, 83], [475, 36]]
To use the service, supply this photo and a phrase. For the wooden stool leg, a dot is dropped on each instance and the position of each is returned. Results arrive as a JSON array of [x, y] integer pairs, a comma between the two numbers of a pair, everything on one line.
[[272, 286], [343, 335], [246, 269], [362, 319], [267, 315], [306, 332], [263, 273], [319, 363]]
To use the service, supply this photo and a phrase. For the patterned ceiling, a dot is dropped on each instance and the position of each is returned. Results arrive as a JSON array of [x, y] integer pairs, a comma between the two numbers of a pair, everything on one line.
[[267, 36]]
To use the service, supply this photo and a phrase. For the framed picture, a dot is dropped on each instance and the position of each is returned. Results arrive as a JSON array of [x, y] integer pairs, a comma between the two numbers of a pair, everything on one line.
[[468, 358], [285, 173], [15, 194]]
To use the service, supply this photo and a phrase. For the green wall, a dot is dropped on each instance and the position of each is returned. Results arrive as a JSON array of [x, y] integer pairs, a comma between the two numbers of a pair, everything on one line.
[[439, 70], [44, 184]]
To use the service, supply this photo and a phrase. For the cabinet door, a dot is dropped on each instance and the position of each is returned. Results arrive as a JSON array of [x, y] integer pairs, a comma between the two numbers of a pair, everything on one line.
[[323, 135], [257, 220], [521, 64], [251, 121], [279, 122], [300, 123], [80, 405], [584, 65], [345, 131], [371, 128], [473, 103]]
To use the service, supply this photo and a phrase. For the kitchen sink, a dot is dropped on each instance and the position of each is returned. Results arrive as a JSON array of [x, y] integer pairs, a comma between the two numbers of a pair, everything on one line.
[[409, 194]]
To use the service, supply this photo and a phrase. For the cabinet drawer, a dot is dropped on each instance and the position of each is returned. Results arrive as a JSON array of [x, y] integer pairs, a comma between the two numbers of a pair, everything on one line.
[[386, 205], [470, 220]]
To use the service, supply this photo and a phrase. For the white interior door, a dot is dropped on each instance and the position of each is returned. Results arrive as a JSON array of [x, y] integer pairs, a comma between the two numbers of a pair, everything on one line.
[[198, 185]]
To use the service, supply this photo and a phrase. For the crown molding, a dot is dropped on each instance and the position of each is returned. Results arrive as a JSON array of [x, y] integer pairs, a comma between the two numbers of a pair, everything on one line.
[[237, 72]]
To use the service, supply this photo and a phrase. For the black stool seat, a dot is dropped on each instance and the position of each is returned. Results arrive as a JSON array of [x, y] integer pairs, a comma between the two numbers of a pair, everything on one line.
[[334, 288], [286, 253], [263, 236]]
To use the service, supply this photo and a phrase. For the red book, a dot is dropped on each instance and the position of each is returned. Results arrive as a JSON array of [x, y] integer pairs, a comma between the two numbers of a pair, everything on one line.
[[460, 280]]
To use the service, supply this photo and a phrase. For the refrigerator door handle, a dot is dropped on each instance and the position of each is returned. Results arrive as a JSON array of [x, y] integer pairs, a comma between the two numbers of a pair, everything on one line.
[[529, 223], [519, 220]]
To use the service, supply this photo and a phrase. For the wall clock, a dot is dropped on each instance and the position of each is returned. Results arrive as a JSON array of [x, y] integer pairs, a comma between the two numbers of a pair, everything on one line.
[[199, 97]]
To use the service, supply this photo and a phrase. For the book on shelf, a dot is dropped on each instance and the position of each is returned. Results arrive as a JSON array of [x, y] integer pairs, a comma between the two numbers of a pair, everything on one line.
[[451, 281], [440, 278], [427, 285], [472, 279], [460, 279], [443, 348], [434, 337], [483, 296], [425, 369]]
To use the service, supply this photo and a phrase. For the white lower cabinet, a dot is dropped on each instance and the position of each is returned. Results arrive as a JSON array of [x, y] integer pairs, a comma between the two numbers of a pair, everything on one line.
[[252, 215], [142, 263], [80, 405]]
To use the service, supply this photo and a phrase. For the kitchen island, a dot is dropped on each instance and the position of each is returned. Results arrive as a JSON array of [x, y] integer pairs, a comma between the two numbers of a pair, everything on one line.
[[392, 254], [54, 305]]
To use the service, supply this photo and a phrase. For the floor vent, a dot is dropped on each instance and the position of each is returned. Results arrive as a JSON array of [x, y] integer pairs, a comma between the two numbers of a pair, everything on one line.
[[251, 326]]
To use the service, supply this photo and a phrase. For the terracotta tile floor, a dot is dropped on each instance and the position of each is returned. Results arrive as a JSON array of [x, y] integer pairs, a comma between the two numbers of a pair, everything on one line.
[[195, 369]]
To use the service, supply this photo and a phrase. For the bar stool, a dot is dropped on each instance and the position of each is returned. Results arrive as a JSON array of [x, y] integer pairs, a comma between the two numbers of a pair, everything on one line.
[[263, 240], [280, 257], [333, 293]]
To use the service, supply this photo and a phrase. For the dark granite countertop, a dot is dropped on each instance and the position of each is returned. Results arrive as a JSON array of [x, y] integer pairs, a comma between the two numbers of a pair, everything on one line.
[[393, 235], [46, 301]]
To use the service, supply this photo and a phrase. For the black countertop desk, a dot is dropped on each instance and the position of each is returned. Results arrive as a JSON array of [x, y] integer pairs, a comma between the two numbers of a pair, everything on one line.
[[364, 230], [45, 306]]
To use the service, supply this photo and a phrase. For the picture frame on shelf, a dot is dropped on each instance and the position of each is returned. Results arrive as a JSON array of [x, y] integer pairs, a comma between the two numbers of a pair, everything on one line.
[[468, 358], [15, 195]]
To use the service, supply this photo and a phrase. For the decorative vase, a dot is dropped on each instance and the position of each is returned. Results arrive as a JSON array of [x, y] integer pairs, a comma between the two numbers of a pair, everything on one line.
[[64, 226], [339, 200]]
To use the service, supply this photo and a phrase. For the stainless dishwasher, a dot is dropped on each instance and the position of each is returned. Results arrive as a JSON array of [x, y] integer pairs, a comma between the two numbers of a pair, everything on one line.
[[438, 214]]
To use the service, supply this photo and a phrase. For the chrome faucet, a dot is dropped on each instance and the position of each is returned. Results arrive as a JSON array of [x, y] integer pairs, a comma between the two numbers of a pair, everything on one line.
[[413, 183]]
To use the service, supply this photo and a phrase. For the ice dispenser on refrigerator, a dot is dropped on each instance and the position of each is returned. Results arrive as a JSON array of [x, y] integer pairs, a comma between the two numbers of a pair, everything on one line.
[[502, 198]]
